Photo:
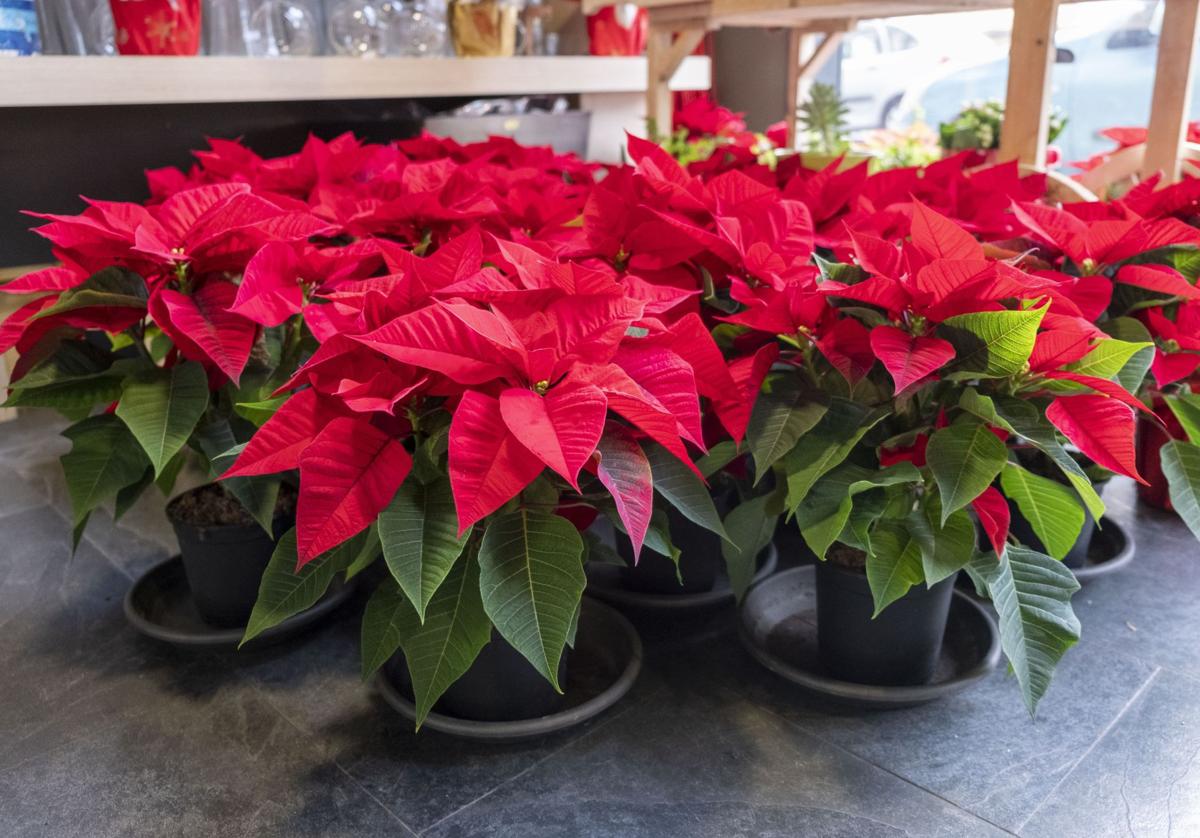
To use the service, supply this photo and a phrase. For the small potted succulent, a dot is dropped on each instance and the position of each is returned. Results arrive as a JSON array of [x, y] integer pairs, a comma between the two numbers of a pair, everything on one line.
[[908, 385], [473, 413], [822, 132], [139, 340]]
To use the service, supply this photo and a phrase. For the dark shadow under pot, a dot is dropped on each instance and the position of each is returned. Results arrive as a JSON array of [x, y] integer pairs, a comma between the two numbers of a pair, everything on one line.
[[224, 551], [500, 686], [899, 647]]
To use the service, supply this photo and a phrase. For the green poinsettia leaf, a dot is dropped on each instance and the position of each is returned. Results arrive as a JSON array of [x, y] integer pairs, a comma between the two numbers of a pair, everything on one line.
[[1053, 511], [531, 578], [1128, 329], [73, 398], [780, 418], [163, 407], [992, 344], [869, 507], [1109, 357], [73, 359], [1032, 595], [658, 535], [893, 565], [822, 516], [574, 629], [1131, 330], [1030, 423], [719, 456], [387, 619], [825, 512], [437, 651], [165, 481], [419, 532], [1181, 466], [683, 489], [104, 459], [826, 446], [112, 287], [284, 591], [981, 406], [750, 530], [73, 380], [257, 494], [259, 412], [1186, 407], [965, 458], [1187, 261], [945, 548], [842, 272], [129, 495]]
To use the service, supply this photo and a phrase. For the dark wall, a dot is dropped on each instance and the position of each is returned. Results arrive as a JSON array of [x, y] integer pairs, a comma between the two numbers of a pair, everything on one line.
[[50, 156], [750, 73]]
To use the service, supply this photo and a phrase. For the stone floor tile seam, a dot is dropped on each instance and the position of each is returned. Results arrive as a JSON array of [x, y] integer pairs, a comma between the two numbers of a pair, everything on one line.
[[1109, 728], [601, 725], [408, 830], [906, 780]]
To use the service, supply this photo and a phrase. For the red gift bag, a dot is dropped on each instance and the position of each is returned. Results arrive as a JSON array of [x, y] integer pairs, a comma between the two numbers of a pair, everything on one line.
[[617, 30], [157, 27]]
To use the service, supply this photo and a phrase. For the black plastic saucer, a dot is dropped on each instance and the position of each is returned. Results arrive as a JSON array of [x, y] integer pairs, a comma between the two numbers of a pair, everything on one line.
[[779, 629], [604, 583], [159, 605], [601, 669], [1111, 549]]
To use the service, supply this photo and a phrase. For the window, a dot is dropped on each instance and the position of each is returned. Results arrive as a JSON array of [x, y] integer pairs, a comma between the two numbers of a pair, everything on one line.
[[861, 44], [898, 39]]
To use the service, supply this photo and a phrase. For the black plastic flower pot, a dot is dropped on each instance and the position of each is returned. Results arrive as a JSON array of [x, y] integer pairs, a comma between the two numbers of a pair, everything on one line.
[[500, 686], [700, 558], [224, 564], [793, 549], [899, 647], [1075, 558]]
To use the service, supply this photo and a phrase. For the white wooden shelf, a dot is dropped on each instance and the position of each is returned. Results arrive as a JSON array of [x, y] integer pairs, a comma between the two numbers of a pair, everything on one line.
[[55, 81]]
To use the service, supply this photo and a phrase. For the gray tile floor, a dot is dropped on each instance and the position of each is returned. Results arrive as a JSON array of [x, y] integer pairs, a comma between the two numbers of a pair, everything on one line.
[[103, 733]]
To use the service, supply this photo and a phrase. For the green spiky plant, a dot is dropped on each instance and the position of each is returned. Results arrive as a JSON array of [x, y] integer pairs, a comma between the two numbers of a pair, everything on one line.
[[823, 121]]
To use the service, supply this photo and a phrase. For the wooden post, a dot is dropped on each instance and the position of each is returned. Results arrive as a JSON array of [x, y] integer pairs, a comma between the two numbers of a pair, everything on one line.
[[799, 73], [1030, 64], [658, 91], [664, 54], [792, 94], [1172, 89]]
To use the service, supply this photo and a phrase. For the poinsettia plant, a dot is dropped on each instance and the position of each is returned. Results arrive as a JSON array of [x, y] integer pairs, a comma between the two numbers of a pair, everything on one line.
[[472, 413], [140, 322], [1135, 262], [175, 320], [907, 382]]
